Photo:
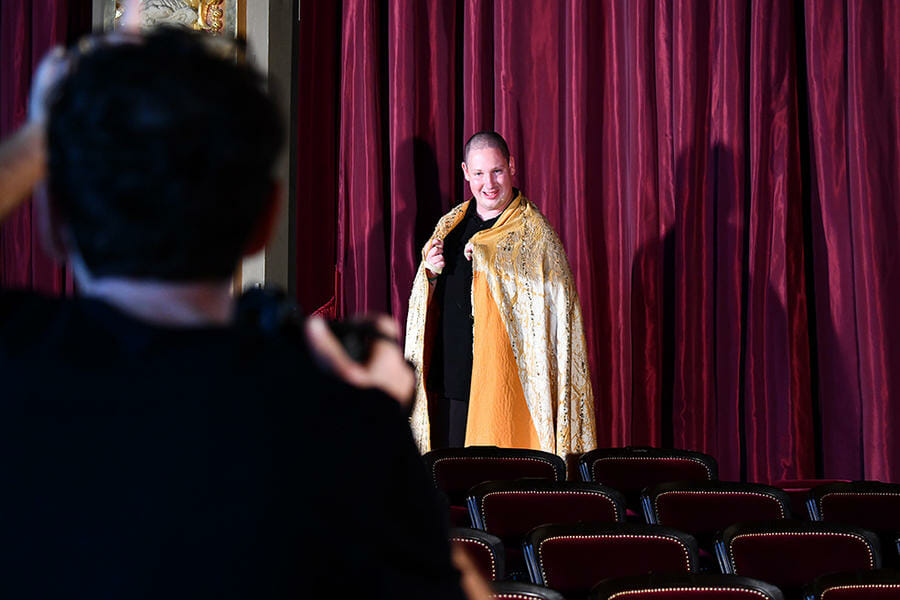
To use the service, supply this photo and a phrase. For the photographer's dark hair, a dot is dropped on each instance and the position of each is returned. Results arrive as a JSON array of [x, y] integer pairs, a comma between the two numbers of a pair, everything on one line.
[[160, 157]]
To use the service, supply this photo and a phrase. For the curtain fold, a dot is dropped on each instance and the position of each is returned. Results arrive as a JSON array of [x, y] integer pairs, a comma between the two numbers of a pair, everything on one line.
[[778, 409], [363, 209], [318, 114], [873, 153], [723, 176], [854, 115]]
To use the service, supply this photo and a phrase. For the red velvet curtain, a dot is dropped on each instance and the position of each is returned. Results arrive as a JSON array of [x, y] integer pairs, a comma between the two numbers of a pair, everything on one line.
[[723, 175], [28, 28]]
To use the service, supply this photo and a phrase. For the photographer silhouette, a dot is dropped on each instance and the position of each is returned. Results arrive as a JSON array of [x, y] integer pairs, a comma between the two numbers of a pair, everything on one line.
[[155, 444]]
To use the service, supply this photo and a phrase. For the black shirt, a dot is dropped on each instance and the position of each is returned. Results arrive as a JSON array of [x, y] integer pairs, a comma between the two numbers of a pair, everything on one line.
[[450, 373], [142, 461]]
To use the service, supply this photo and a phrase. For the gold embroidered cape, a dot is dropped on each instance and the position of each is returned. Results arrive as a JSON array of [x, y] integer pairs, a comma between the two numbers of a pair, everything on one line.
[[531, 386]]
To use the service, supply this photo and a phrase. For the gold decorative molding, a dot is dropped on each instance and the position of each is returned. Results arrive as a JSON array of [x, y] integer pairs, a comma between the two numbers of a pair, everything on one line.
[[212, 16], [217, 17]]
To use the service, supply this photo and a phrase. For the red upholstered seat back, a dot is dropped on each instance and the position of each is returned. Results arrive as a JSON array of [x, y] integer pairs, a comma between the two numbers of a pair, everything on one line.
[[868, 504], [875, 511], [685, 586], [456, 470], [703, 508], [573, 558], [630, 470], [510, 513], [519, 590], [634, 474], [509, 509], [868, 592], [879, 584], [790, 554], [460, 474], [683, 593]]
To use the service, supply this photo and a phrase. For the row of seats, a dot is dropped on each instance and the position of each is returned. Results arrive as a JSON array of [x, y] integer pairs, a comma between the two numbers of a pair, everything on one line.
[[628, 470], [883, 584], [700, 508], [567, 551], [573, 557], [641, 476]]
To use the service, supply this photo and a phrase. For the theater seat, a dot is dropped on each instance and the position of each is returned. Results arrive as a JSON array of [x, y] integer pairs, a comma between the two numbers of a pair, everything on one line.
[[791, 553], [631, 469], [510, 509], [880, 584], [573, 558], [869, 504], [704, 508], [455, 470], [520, 590], [685, 586], [485, 550]]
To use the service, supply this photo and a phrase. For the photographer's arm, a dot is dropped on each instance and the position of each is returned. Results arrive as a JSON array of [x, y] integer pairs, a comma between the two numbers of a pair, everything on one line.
[[22, 166], [23, 154]]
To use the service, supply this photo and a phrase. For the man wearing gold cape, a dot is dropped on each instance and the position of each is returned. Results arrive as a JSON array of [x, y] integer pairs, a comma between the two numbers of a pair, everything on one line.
[[494, 323]]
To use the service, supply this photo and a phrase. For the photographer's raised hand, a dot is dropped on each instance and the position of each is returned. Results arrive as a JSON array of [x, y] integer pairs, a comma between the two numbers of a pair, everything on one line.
[[386, 369], [23, 154], [22, 166]]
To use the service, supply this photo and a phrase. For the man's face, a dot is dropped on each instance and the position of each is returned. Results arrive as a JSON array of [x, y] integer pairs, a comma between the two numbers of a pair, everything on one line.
[[490, 179]]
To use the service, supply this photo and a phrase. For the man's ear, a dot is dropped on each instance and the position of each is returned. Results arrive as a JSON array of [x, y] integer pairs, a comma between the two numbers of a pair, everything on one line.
[[262, 231], [512, 165], [465, 170], [51, 226]]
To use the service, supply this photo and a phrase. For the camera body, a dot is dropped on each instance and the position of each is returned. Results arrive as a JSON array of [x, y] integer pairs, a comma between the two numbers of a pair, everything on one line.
[[269, 311]]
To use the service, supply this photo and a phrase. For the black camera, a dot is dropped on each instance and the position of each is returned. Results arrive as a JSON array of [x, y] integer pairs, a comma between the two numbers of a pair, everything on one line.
[[269, 311]]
